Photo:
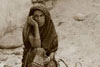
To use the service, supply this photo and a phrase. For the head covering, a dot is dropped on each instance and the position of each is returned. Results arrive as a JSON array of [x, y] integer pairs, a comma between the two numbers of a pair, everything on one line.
[[48, 36], [38, 1]]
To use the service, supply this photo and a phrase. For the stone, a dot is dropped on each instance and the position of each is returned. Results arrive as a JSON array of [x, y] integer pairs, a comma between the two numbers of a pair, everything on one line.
[[11, 40], [79, 17]]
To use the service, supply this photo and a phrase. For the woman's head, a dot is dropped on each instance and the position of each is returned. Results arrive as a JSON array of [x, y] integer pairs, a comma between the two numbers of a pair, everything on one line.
[[39, 17], [40, 14]]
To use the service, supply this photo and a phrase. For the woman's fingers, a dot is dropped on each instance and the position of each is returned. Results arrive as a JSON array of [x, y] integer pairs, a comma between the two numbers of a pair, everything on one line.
[[47, 60], [52, 55], [32, 21]]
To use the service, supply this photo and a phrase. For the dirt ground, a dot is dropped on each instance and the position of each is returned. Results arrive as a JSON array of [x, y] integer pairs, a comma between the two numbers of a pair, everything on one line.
[[77, 23]]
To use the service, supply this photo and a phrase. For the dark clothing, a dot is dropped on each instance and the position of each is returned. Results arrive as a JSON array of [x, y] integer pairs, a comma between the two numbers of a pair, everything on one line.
[[48, 36]]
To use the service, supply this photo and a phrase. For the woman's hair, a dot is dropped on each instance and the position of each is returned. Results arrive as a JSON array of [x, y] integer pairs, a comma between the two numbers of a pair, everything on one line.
[[36, 10], [39, 6]]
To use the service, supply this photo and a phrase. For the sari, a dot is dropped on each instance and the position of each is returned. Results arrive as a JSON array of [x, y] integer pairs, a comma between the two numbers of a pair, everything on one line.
[[48, 35]]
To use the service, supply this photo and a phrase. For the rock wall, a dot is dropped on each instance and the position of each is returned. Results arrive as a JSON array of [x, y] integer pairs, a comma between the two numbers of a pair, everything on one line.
[[13, 15]]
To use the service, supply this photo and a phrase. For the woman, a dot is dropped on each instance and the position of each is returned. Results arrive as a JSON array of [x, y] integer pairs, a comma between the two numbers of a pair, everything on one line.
[[39, 35]]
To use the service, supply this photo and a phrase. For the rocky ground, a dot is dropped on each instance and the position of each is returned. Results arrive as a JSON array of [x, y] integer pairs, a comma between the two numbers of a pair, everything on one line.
[[77, 23]]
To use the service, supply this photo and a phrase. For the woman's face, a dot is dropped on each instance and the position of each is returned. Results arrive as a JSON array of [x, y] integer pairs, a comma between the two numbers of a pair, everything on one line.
[[39, 17]]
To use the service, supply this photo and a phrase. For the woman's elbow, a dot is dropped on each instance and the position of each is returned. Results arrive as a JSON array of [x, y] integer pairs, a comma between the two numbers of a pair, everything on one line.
[[35, 42]]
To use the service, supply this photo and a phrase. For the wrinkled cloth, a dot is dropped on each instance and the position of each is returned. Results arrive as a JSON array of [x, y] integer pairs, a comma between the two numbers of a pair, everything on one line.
[[48, 35], [36, 57]]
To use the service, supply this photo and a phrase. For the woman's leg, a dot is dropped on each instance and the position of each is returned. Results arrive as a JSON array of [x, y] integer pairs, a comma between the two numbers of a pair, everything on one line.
[[25, 52], [36, 52]]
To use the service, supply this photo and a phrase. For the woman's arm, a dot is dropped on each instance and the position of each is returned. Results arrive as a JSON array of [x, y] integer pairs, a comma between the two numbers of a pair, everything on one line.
[[34, 39], [35, 42], [32, 22]]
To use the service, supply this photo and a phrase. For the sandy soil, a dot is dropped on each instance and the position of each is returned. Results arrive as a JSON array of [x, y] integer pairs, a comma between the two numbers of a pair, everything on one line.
[[77, 23]]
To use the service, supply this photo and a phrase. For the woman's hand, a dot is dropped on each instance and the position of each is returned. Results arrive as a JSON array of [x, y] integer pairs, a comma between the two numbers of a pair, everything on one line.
[[31, 21], [46, 60], [52, 55], [49, 58]]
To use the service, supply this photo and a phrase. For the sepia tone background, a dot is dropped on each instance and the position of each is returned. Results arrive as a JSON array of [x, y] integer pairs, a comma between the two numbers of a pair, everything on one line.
[[77, 24]]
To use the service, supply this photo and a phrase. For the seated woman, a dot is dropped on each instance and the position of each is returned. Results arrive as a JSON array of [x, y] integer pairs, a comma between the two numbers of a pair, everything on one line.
[[39, 37]]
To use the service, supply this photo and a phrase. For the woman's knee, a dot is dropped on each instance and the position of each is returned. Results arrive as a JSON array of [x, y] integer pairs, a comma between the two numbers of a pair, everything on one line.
[[40, 51]]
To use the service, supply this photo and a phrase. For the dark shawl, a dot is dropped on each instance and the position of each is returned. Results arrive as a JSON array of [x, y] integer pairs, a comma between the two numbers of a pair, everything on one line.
[[49, 39]]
